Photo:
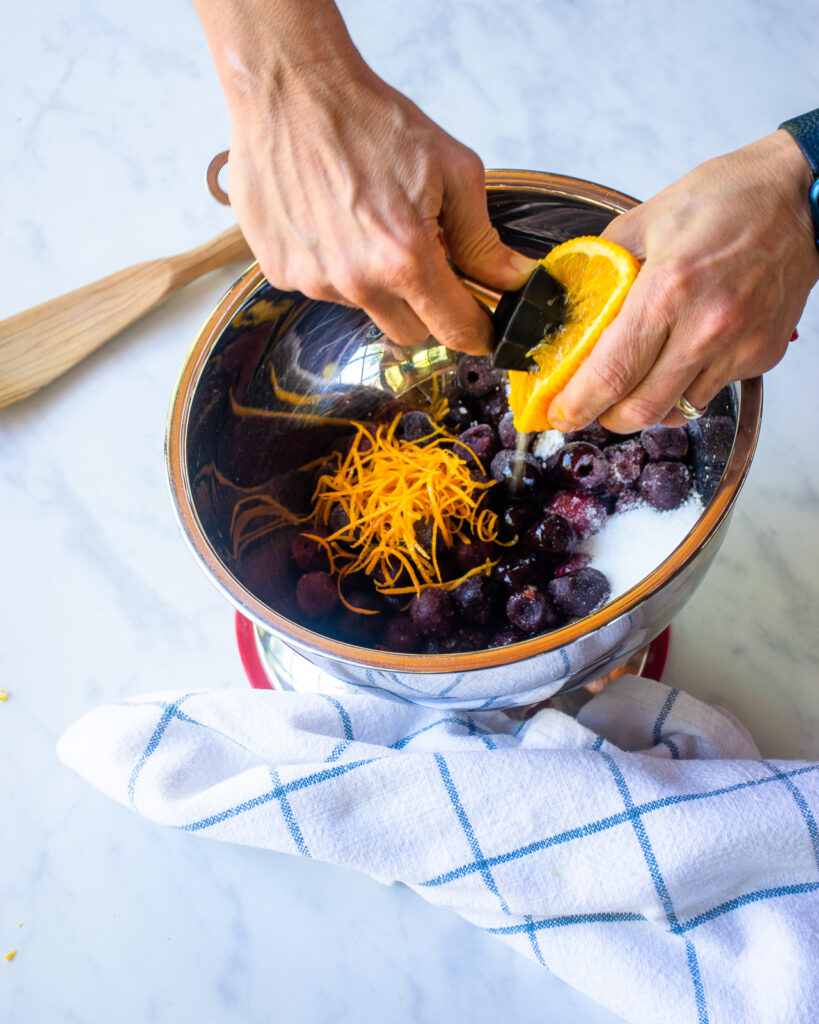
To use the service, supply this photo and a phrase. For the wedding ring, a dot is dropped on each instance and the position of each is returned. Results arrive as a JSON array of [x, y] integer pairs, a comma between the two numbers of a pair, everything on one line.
[[691, 412]]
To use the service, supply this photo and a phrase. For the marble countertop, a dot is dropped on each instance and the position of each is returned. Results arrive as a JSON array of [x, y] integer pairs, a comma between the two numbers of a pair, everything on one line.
[[109, 118]]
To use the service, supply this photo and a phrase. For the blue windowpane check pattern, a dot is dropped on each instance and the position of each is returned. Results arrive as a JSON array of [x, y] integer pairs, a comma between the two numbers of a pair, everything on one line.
[[695, 875]]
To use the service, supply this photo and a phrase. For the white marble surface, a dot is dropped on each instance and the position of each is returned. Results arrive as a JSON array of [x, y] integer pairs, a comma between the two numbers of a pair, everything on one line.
[[109, 115]]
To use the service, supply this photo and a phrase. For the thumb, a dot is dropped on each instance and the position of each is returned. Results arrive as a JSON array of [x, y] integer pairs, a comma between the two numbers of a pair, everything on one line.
[[473, 244]]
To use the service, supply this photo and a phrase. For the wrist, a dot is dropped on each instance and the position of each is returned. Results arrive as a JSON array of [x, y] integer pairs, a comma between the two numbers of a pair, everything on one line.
[[803, 134]]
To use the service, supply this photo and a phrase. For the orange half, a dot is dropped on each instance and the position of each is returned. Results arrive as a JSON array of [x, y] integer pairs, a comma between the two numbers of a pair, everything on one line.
[[597, 276]]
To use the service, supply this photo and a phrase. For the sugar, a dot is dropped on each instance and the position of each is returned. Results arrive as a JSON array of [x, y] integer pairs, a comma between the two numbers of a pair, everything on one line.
[[547, 443], [633, 543]]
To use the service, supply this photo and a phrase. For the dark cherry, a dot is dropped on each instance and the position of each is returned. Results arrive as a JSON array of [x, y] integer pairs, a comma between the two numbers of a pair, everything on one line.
[[531, 610], [477, 376], [518, 473], [316, 594], [585, 512], [578, 560], [627, 500], [517, 569], [475, 599], [626, 461], [550, 535], [402, 635], [579, 592], [662, 442], [416, 426], [495, 406], [357, 626], [665, 485], [461, 641], [387, 412], [513, 520], [582, 465], [507, 433], [338, 518], [432, 612], [479, 442], [308, 554], [594, 433], [462, 413], [470, 556], [505, 637]]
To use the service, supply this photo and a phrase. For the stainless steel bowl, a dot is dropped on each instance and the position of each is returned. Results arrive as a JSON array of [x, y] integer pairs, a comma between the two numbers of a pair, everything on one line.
[[239, 429]]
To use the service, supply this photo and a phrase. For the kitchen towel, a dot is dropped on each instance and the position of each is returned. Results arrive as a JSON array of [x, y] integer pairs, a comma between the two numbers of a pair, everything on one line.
[[643, 851]]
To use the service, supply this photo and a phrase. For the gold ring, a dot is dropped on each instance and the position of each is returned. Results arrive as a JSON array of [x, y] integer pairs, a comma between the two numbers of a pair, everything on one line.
[[691, 412]]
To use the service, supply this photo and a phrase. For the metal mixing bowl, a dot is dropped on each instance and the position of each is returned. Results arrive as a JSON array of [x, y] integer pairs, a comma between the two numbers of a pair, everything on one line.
[[235, 438]]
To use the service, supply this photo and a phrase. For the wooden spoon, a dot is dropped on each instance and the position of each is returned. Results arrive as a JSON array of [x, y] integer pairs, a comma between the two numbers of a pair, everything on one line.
[[42, 343]]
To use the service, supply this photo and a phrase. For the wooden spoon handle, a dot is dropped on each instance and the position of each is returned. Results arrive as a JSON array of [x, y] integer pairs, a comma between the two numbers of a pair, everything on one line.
[[41, 343]]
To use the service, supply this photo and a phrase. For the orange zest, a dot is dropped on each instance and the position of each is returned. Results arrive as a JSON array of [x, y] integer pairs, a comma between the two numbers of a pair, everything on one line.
[[597, 275], [386, 487]]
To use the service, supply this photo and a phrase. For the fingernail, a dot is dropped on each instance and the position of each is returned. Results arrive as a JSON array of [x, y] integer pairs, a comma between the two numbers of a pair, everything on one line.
[[522, 264], [795, 334]]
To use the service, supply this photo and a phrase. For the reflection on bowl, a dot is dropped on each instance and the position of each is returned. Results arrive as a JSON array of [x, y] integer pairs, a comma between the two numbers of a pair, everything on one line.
[[240, 430]]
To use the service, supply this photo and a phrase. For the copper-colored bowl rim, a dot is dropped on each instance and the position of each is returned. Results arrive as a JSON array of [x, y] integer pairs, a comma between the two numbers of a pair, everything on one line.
[[747, 430]]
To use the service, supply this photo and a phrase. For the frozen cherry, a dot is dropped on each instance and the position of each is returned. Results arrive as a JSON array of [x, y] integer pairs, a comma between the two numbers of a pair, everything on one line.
[[474, 599], [308, 554], [339, 519], [585, 512], [432, 612], [665, 485], [518, 473], [594, 433], [579, 592], [626, 461], [662, 442], [495, 406], [507, 433], [387, 412], [578, 560], [470, 556], [517, 569], [506, 636], [358, 626], [531, 610], [316, 594], [462, 640], [402, 635], [550, 535], [581, 465], [460, 415], [627, 500], [513, 520], [416, 426], [477, 376], [481, 442]]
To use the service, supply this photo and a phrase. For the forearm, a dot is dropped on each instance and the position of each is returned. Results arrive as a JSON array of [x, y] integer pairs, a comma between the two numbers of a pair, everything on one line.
[[260, 46]]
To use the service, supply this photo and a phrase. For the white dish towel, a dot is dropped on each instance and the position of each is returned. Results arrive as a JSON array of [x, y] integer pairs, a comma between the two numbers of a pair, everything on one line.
[[644, 852]]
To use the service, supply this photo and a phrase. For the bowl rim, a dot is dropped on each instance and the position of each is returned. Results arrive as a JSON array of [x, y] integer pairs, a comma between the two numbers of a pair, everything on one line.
[[749, 411]]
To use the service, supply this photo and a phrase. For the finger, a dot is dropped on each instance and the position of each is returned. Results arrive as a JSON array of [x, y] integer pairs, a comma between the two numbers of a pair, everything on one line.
[[451, 315], [628, 230], [699, 393], [625, 353], [473, 243], [654, 399]]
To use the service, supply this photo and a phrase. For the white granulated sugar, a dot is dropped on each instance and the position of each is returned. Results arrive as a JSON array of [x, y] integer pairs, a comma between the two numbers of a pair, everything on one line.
[[548, 443], [632, 544]]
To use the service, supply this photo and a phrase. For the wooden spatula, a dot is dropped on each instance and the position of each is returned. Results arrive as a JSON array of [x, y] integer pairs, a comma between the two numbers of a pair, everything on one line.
[[42, 343]]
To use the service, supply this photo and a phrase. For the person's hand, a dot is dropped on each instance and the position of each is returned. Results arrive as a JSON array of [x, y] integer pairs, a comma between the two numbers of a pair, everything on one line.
[[728, 261]]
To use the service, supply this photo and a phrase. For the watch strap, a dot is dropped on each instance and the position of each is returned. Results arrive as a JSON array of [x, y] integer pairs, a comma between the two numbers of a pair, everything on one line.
[[805, 131]]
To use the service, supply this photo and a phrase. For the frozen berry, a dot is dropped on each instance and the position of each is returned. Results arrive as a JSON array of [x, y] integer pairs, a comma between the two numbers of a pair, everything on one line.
[[339, 519], [581, 465], [585, 512], [506, 636], [358, 626], [477, 376], [387, 411], [432, 612], [460, 415], [665, 485], [478, 442], [316, 594], [662, 442], [513, 520], [531, 610], [578, 560], [416, 426], [462, 640], [594, 433], [308, 554], [518, 473], [579, 592], [517, 569], [470, 556], [495, 406], [627, 500], [474, 599], [626, 461], [550, 535], [507, 433], [402, 635]]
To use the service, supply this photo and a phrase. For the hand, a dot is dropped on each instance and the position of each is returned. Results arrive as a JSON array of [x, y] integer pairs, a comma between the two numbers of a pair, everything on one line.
[[347, 192], [728, 262]]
